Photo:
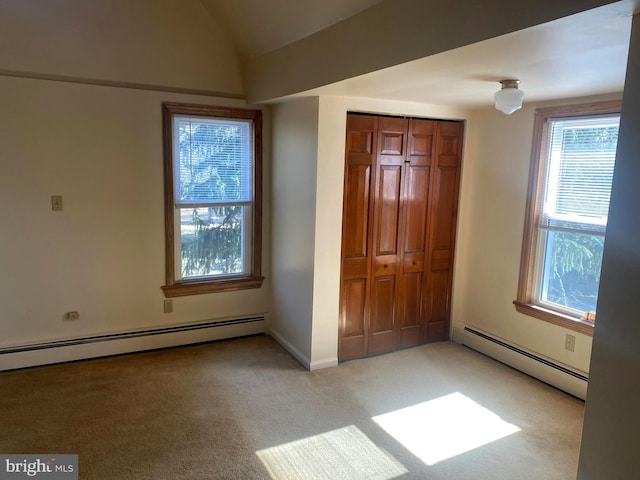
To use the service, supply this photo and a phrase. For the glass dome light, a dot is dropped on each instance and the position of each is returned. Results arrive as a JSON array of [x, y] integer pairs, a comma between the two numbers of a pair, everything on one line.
[[509, 98]]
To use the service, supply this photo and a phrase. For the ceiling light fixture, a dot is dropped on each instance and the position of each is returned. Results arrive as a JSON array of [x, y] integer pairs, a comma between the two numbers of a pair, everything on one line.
[[509, 98]]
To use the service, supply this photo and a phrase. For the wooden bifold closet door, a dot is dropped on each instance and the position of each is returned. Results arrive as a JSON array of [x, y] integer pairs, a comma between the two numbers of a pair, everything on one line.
[[400, 207]]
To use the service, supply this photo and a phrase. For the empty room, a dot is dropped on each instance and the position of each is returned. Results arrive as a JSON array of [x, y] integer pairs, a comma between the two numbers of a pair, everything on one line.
[[348, 239]]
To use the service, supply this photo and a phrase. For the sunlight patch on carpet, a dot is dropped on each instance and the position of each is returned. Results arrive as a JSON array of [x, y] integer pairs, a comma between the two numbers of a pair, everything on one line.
[[444, 427], [343, 453]]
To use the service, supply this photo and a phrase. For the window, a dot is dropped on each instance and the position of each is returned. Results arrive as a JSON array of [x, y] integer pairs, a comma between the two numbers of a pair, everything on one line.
[[212, 169], [573, 157]]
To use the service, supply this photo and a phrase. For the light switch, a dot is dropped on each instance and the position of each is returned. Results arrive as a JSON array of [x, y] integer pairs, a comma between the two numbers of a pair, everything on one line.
[[56, 203]]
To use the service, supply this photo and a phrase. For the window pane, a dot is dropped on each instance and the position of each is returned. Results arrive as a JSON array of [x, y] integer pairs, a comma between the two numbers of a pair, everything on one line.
[[212, 160], [571, 270], [579, 171], [212, 241]]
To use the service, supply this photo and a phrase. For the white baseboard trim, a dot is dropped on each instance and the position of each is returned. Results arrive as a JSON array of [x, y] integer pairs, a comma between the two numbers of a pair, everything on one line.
[[538, 366], [58, 351], [324, 363], [288, 346]]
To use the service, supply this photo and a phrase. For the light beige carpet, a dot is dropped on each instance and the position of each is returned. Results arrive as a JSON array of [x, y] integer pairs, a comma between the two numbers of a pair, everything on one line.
[[245, 409]]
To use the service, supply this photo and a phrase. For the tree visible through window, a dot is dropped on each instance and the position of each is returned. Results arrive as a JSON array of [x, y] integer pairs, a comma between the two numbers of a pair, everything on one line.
[[213, 193], [212, 165], [572, 171]]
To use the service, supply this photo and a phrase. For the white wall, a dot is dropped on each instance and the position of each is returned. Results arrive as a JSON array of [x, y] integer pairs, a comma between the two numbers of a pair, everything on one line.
[[491, 218], [100, 148], [293, 201], [154, 42]]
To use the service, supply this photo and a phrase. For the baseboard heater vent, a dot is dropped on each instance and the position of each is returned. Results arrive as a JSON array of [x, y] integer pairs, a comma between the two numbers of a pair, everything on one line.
[[57, 351], [559, 376]]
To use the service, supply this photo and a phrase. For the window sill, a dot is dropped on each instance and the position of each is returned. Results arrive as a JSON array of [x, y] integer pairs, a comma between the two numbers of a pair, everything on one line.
[[567, 321], [197, 287]]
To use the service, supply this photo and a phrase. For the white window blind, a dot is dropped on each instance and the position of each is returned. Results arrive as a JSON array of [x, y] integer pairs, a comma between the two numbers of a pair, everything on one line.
[[579, 170], [212, 161]]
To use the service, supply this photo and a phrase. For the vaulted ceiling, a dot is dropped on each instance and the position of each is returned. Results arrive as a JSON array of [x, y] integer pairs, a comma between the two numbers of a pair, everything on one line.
[[260, 26]]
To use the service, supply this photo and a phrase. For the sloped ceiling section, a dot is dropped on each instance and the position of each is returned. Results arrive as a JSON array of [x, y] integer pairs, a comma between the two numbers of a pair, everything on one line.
[[159, 43], [258, 27], [391, 33]]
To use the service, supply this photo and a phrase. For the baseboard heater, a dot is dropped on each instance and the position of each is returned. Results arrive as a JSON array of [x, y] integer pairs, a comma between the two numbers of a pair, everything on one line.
[[57, 351], [562, 377]]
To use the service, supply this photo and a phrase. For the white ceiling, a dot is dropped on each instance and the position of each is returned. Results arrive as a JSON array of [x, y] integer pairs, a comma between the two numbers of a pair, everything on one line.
[[580, 55]]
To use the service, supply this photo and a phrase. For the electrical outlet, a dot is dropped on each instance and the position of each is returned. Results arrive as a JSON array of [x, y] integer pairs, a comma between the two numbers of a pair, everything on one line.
[[56, 203], [570, 343], [72, 315], [168, 306]]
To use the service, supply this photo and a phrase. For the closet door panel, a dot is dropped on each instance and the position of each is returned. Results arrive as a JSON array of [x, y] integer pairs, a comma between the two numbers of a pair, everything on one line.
[[385, 259], [356, 211], [383, 303], [356, 237], [391, 148], [439, 294], [410, 315], [415, 205], [387, 210], [399, 222], [383, 299], [443, 211], [409, 328], [410, 324], [354, 301]]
